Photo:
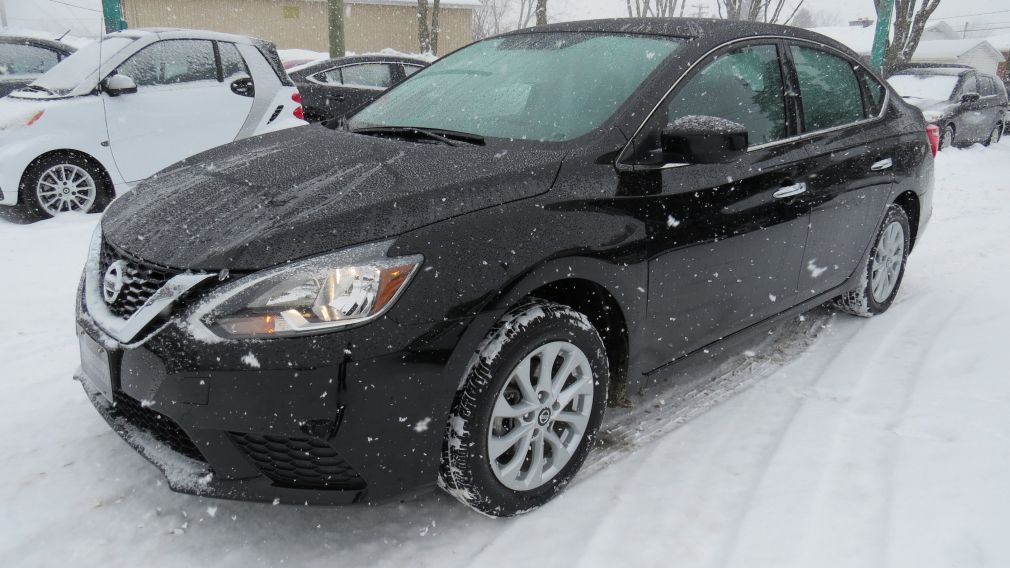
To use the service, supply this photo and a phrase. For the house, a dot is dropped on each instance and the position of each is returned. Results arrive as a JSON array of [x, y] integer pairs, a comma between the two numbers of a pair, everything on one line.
[[1002, 43], [977, 53], [369, 25]]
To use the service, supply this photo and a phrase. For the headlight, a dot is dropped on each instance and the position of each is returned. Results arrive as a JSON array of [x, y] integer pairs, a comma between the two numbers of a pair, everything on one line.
[[312, 296], [932, 115]]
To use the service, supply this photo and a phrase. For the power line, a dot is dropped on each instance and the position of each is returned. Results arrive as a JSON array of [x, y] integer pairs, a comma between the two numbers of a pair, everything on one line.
[[971, 15], [75, 6]]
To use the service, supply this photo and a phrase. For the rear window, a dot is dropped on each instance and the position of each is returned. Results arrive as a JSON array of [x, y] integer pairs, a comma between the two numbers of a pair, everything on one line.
[[924, 87], [830, 92]]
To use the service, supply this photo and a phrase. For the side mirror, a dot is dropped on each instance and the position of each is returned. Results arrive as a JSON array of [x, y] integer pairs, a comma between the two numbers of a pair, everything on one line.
[[704, 140], [969, 98], [116, 85]]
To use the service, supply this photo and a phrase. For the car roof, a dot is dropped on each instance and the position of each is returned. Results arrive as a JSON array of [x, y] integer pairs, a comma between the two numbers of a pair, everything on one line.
[[705, 32], [182, 33], [38, 42]]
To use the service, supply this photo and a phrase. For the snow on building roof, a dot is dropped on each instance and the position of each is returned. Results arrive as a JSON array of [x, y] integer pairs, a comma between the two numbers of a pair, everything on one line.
[[1000, 42], [951, 48], [444, 4], [858, 39]]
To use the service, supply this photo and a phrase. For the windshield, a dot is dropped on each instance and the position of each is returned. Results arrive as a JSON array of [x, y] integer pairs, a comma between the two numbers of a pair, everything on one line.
[[70, 72], [548, 87], [926, 87]]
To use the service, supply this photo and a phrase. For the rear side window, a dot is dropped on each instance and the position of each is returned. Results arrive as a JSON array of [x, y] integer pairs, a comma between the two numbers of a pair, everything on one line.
[[409, 70], [172, 62], [25, 59], [829, 89], [232, 64], [744, 86], [986, 87], [372, 75], [969, 86], [875, 92]]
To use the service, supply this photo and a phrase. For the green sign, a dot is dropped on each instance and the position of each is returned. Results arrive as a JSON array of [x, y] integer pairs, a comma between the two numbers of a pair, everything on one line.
[[883, 35], [113, 12]]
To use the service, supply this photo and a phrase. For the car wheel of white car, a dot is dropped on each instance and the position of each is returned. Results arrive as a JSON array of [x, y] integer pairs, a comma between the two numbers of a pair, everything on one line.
[[62, 183], [884, 269], [528, 412]]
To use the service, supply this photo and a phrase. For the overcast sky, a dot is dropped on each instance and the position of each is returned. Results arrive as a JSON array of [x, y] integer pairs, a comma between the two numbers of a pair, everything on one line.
[[845, 9]]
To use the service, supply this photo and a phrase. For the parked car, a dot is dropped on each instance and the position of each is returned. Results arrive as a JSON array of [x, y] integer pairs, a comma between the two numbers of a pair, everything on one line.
[[23, 59], [452, 286], [968, 106], [337, 87], [119, 110]]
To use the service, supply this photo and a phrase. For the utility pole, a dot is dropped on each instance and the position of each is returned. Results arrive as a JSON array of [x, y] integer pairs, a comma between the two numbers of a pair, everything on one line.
[[883, 34], [3, 13], [335, 15], [113, 12], [701, 10]]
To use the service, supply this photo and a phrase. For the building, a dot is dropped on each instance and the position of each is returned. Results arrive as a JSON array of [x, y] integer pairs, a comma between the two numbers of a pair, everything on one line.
[[369, 25]]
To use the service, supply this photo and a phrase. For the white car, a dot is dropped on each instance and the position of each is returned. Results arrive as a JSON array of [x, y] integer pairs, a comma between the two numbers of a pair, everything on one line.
[[122, 109]]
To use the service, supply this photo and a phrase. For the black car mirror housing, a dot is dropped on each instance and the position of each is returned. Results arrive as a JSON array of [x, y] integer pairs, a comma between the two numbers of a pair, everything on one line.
[[704, 140], [970, 98]]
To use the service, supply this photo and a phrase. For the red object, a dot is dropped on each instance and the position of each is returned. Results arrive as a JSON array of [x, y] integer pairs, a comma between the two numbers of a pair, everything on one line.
[[933, 133], [299, 111], [297, 97]]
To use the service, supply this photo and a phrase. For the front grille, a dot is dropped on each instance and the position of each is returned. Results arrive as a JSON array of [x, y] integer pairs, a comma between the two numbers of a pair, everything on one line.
[[299, 462], [156, 424], [140, 280]]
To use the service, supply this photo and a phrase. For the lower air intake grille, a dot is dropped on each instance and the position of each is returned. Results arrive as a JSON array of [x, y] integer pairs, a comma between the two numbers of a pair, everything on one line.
[[299, 462], [156, 424]]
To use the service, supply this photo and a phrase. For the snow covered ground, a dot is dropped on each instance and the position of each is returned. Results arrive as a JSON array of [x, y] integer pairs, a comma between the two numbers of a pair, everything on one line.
[[836, 442]]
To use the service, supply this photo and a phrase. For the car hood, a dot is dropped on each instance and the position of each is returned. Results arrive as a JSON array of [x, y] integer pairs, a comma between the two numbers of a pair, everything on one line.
[[308, 190]]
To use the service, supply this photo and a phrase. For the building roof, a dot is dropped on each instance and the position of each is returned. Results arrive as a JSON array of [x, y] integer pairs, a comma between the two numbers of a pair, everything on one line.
[[1000, 42], [445, 3], [952, 49], [858, 39]]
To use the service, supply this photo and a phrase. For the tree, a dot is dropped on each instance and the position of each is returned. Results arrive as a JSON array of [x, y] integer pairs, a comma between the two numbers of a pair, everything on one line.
[[910, 18], [335, 14], [655, 8], [489, 18], [428, 35], [769, 11], [541, 12]]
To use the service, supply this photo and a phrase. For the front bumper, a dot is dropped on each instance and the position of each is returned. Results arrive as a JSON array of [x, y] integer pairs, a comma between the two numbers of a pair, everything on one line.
[[351, 417]]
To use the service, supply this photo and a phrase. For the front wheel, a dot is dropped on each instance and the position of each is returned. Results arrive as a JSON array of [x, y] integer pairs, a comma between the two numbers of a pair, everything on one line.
[[884, 269], [62, 183], [528, 412]]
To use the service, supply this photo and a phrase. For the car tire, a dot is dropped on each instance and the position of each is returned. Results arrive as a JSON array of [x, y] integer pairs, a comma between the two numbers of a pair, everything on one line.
[[995, 136], [947, 137], [547, 433], [884, 269], [62, 182]]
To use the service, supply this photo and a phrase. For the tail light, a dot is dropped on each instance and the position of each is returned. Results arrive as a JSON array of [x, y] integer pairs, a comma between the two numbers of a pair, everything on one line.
[[299, 110], [933, 133]]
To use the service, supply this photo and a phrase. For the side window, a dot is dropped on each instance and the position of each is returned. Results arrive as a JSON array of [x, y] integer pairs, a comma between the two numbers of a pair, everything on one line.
[[986, 87], [172, 62], [744, 86], [26, 60], [331, 77], [876, 92], [371, 75], [970, 85], [829, 89], [409, 70], [232, 64]]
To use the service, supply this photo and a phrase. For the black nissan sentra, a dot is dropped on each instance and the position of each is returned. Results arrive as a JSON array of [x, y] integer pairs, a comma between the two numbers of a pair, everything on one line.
[[448, 288]]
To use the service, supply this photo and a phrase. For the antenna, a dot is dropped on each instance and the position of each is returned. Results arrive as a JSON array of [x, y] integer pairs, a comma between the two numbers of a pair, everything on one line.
[[65, 34]]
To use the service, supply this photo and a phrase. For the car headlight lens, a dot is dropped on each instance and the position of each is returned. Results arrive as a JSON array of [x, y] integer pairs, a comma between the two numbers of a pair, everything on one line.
[[932, 115], [312, 296]]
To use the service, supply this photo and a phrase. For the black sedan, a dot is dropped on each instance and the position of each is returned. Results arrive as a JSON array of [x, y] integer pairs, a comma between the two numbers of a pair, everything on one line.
[[450, 286], [23, 59], [968, 106], [337, 87]]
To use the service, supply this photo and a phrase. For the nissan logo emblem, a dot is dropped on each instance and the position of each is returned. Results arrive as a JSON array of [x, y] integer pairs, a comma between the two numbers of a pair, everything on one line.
[[112, 283]]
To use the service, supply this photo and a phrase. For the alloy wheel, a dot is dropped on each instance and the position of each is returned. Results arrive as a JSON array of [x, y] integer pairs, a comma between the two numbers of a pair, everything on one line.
[[64, 188], [540, 416], [887, 262]]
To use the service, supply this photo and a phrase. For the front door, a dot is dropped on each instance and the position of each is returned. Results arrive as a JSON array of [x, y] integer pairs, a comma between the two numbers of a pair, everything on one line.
[[183, 106], [726, 239]]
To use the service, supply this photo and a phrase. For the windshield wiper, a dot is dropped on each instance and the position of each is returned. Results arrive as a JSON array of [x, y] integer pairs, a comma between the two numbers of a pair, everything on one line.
[[38, 88], [448, 137]]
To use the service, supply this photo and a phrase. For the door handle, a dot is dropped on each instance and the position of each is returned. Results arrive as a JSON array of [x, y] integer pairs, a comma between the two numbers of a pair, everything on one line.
[[790, 191], [244, 87], [882, 165]]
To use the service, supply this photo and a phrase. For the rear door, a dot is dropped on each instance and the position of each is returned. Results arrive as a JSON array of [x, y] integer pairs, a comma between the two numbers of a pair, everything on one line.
[[992, 104], [183, 105], [725, 244], [854, 151]]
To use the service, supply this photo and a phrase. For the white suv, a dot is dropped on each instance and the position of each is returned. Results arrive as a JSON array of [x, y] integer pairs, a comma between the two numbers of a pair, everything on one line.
[[122, 109]]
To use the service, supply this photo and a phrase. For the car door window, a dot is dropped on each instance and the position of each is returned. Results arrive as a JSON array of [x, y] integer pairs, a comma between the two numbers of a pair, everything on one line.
[[986, 87], [26, 60], [744, 86], [232, 64], [409, 70], [829, 89], [371, 75], [172, 62], [969, 86]]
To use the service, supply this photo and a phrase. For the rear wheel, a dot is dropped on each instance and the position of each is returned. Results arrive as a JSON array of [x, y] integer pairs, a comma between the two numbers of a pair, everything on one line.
[[947, 139], [62, 183], [995, 135], [528, 412], [884, 269]]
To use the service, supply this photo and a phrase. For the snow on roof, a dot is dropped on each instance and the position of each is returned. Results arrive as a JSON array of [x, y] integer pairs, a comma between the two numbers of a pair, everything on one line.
[[444, 4], [858, 39], [1000, 42], [951, 48]]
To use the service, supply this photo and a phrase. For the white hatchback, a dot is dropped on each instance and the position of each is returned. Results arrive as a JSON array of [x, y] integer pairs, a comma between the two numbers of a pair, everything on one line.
[[122, 109]]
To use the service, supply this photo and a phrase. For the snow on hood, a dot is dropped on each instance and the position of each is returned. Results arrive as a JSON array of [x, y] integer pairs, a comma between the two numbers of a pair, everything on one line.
[[304, 191]]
